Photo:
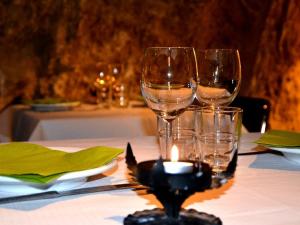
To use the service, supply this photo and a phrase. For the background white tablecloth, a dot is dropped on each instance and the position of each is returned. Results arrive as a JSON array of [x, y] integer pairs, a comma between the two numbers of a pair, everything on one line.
[[83, 122], [264, 191], [19, 123]]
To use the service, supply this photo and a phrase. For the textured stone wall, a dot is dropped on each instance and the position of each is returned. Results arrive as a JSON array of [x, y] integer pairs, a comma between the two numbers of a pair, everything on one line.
[[276, 74], [48, 47]]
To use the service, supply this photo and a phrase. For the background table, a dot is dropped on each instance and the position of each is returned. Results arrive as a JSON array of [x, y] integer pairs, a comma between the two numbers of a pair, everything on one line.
[[264, 191], [83, 122]]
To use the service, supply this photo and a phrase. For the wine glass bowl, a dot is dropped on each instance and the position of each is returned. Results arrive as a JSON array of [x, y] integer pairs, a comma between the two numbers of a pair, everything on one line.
[[220, 76], [169, 80]]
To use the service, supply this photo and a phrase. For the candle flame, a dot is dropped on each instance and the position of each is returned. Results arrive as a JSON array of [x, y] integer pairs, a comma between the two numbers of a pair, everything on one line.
[[174, 154]]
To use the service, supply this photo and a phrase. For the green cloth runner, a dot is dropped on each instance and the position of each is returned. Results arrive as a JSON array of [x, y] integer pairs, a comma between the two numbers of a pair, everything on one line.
[[36, 163], [280, 139]]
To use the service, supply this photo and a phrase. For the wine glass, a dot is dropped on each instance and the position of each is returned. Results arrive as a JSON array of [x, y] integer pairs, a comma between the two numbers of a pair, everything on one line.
[[220, 76], [219, 82], [102, 84], [169, 83]]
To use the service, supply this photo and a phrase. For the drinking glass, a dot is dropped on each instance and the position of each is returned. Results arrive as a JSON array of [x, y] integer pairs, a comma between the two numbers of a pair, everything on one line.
[[169, 82], [184, 134], [219, 146], [219, 76]]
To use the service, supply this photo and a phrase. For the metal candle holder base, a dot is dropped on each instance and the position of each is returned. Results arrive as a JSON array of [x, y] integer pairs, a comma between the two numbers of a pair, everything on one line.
[[159, 217], [172, 190]]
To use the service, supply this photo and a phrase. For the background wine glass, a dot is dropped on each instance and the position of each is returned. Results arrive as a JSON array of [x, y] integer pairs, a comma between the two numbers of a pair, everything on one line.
[[102, 84], [219, 76], [169, 82]]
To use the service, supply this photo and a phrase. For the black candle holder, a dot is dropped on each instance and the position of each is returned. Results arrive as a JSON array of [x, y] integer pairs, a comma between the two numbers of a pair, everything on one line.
[[173, 189]]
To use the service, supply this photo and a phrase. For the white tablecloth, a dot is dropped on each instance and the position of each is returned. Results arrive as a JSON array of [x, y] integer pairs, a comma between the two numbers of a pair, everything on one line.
[[264, 191], [83, 122]]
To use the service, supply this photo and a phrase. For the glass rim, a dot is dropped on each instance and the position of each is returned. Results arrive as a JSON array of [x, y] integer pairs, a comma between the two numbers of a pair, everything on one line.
[[217, 49], [225, 109]]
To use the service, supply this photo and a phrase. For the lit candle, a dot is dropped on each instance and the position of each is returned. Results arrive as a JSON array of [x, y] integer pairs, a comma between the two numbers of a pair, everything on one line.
[[175, 167]]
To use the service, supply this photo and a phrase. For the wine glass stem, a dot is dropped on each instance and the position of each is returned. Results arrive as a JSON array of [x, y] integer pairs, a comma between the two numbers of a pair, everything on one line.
[[168, 139]]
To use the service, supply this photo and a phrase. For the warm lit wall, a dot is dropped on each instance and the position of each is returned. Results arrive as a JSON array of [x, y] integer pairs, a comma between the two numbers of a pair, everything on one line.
[[47, 47], [276, 74]]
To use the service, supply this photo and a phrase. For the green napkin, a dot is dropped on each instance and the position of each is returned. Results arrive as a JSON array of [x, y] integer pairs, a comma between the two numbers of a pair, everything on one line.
[[36, 178], [280, 139], [36, 163]]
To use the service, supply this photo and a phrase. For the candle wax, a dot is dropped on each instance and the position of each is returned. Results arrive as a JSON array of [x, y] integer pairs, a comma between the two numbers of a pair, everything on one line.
[[178, 167]]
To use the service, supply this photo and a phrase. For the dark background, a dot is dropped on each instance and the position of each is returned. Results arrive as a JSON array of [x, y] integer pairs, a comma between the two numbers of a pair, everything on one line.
[[47, 47]]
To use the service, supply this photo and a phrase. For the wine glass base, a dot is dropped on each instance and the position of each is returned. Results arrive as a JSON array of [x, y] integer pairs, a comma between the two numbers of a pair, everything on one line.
[[158, 217]]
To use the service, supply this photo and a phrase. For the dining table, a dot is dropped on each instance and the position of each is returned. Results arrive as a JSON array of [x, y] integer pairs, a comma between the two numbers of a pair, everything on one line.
[[84, 121], [265, 190]]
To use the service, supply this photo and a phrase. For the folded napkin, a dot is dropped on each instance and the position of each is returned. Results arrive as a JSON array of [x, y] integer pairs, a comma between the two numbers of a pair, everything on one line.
[[39, 164], [280, 139]]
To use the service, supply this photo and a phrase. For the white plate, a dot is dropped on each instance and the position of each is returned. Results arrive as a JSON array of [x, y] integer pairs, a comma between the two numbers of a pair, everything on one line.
[[54, 107], [64, 182], [292, 154]]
